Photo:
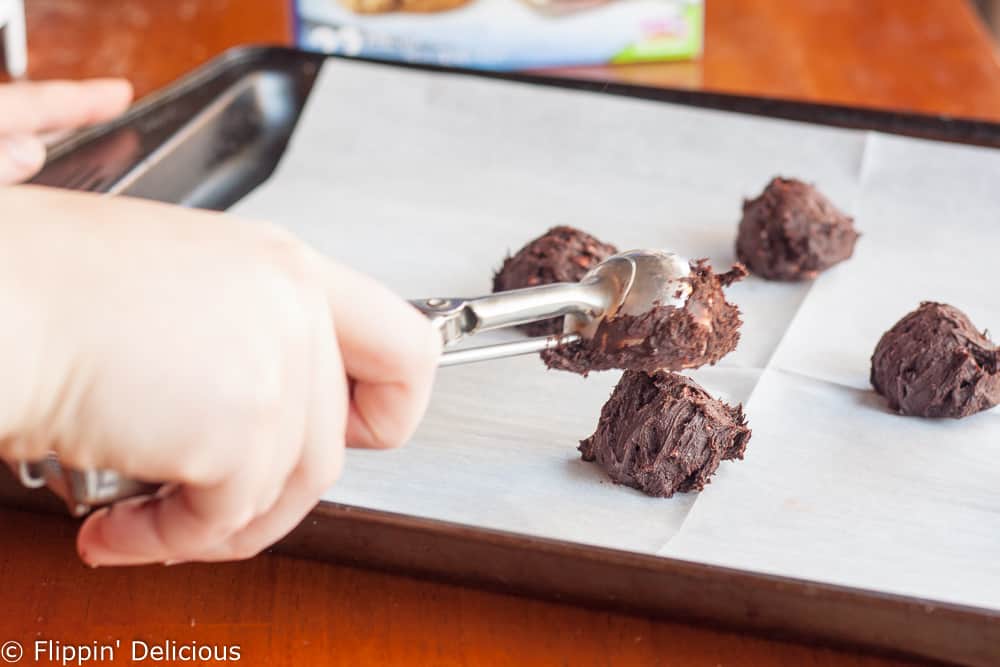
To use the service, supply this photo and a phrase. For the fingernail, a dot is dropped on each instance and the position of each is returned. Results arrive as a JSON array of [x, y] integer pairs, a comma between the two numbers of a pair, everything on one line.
[[87, 561], [168, 563], [25, 152]]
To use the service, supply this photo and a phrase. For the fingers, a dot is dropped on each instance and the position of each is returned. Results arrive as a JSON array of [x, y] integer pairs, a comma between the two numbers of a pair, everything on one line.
[[390, 353], [292, 450], [320, 466], [251, 510], [316, 473], [21, 156], [29, 108], [188, 518], [164, 529]]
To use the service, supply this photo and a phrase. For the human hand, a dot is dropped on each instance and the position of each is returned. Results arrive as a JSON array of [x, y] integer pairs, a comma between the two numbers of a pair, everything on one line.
[[29, 109], [223, 357]]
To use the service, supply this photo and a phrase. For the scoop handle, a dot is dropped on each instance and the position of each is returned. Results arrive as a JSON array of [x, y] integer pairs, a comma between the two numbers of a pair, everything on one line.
[[503, 350], [458, 318]]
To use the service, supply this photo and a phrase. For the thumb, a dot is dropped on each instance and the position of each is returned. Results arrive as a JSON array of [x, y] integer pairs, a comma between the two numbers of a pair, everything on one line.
[[21, 156]]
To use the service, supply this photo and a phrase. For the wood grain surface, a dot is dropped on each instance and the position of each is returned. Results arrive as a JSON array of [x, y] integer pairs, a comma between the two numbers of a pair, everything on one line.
[[284, 611], [930, 56], [933, 56]]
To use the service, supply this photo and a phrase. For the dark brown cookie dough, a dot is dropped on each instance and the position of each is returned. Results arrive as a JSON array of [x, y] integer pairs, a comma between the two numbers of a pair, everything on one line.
[[935, 363], [702, 332], [662, 433], [792, 232], [561, 255]]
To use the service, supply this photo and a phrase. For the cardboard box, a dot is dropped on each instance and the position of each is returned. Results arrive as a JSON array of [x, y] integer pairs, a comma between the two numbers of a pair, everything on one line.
[[505, 34]]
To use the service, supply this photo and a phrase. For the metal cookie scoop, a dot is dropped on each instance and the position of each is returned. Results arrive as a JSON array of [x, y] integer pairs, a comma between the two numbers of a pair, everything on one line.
[[629, 283], [81, 490]]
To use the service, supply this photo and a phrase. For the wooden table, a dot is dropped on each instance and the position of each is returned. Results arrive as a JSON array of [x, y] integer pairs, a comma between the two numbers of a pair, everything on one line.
[[283, 611], [930, 56]]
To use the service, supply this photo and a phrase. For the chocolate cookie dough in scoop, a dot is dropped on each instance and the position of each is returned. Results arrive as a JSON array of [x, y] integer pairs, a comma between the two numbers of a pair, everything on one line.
[[560, 255], [701, 332], [935, 363], [792, 232], [662, 433]]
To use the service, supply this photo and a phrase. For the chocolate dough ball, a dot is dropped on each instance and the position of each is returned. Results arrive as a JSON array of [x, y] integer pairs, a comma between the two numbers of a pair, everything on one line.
[[935, 363], [702, 332], [560, 255], [792, 232], [662, 433]]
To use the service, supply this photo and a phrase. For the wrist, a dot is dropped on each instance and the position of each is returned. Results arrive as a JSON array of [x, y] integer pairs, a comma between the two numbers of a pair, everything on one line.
[[24, 357]]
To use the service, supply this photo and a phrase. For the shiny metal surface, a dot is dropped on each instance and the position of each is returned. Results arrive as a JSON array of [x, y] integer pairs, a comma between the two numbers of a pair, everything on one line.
[[80, 490], [630, 283], [14, 38], [588, 298], [205, 141], [31, 475], [503, 350], [642, 279], [458, 318]]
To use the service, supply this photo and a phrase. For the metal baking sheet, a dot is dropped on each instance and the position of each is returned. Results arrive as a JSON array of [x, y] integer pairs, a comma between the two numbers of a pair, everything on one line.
[[221, 168]]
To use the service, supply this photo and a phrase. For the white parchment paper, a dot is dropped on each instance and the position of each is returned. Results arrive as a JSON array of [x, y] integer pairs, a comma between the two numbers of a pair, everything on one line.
[[426, 181], [834, 487]]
